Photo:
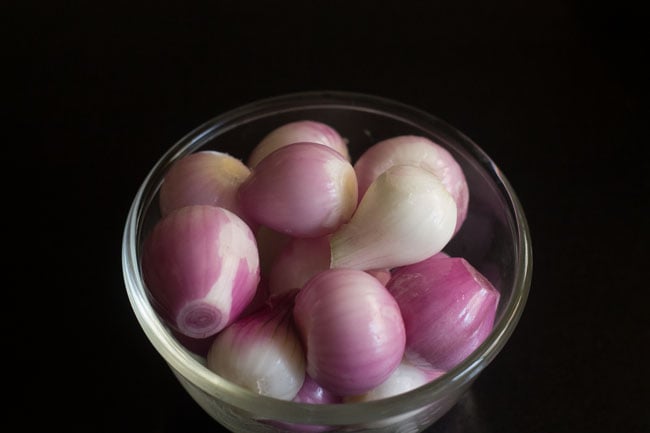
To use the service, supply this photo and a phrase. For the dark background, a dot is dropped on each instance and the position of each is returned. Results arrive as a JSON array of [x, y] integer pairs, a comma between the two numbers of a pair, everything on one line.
[[551, 90]]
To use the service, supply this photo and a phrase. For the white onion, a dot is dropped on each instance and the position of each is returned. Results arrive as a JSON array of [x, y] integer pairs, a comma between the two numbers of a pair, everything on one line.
[[405, 216], [421, 152]]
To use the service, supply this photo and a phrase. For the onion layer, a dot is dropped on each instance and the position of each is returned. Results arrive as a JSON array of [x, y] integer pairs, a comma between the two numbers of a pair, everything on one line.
[[421, 152], [303, 190], [201, 266], [206, 177], [262, 352], [297, 132], [405, 216], [448, 308], [351, 328]]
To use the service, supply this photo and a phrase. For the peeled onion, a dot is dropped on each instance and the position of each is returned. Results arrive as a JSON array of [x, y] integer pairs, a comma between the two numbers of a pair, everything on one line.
[[201, 266], [303, 190], [352, 330], [262, 351], [421, 152], [206, 177], [448, 308], [405, 216], [297, 132]]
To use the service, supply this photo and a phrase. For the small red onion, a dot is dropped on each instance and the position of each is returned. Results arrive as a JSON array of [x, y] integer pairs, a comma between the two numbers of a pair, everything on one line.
[[421, 152], [262, 351], [351, 328], [448, 308], [206, 177], [303, 190], [201, 267], [297, 132]]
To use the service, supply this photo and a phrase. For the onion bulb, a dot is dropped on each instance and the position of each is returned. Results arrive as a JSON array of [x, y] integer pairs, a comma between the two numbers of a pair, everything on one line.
[[421, 152], [405, 216], [206, 177], [351, 328], [201, 266], [296, 132], [303, 190], [262, 352], [448, 308]]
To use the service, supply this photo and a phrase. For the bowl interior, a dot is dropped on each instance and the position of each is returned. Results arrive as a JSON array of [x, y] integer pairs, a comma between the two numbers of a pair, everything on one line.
[[494, 237]]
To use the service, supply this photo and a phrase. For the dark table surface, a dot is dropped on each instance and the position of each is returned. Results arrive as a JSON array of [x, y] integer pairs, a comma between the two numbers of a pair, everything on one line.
[[552, 90]]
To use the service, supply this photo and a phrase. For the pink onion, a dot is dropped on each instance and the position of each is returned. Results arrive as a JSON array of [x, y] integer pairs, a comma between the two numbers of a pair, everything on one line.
[[298, 261], [262, 352], [205, 177], [421, 152], [448, 308], [201, 267], [351, 328], [311, 392], [297, 132], [303, 190]]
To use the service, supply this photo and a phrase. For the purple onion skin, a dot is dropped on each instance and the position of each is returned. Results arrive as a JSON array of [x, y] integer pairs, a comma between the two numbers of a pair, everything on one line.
[[351, 328], [448, 308], [302, 190], [201, 267]]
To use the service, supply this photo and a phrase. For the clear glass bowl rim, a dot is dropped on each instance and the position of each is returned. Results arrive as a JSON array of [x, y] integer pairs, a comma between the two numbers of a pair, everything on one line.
[[192, 370]]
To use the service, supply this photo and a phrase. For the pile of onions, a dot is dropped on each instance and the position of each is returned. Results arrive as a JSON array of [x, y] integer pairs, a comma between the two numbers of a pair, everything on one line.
[[305, 276]]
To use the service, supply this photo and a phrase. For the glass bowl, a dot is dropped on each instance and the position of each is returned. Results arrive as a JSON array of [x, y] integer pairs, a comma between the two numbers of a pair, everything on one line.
[[494, 238]]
